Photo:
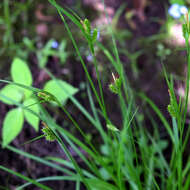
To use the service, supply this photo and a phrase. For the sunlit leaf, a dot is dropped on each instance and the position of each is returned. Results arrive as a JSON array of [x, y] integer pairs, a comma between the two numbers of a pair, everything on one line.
[[12, 125], [12, 92], [60, 89], [20, 73], [32, 119]]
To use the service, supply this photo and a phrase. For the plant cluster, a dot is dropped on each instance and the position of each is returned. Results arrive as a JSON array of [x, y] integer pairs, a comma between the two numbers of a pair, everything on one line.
[[130, 157]]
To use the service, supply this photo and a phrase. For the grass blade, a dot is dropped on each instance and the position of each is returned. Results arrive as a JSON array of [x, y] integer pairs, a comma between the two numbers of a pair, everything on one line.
[[34, 182]]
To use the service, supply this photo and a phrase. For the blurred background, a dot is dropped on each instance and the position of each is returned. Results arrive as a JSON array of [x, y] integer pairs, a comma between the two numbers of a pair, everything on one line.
[[147, 33]]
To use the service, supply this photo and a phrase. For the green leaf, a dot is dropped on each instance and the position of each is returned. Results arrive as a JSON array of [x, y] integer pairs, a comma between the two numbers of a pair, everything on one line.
[[49, 134], [97, 184], [12, 92], [18, 175], [32, 119], [94, 35], [42, 59], [172, 111], [62, 52], [12, 125], [115, 87], [20, 72], [60, 89], [87, 26]]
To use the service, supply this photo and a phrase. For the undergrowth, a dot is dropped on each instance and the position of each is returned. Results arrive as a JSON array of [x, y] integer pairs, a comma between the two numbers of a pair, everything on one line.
[[130, 157]]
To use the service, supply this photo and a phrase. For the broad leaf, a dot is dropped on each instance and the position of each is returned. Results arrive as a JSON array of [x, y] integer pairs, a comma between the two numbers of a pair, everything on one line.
[[11, 91], [20, 72], [12, 125], [32, 119], [60, 89]]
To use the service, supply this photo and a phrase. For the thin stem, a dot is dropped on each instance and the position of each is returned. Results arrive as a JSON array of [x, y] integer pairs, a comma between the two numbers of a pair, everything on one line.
[[81, 60], [100, 87], [34, 139]]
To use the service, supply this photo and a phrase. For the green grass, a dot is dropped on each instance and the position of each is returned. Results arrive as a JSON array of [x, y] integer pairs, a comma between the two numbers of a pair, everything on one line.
[[130, 157]]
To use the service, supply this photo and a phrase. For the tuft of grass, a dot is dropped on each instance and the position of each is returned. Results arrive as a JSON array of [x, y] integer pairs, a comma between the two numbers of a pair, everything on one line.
[[129, 157]]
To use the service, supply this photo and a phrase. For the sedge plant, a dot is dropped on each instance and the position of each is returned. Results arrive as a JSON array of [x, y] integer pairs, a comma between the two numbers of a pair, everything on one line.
[[129, 157]]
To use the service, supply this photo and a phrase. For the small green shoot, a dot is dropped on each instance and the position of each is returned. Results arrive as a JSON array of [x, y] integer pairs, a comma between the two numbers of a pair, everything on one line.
[[46, 96], [115, 87], [171, 107], [91, 34], [49, 134]]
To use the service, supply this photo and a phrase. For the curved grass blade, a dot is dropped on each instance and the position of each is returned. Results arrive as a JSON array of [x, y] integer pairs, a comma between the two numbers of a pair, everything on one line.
[[78, 105], [40, 160], [34, 182], [32, 140], [21, 85], [74, 19], [69, 165], [51, 178]]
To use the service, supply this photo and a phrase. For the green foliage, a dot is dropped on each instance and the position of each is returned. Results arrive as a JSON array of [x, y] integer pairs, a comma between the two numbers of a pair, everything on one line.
[[60, 89], [9, 16], [31, 118], [25, 178], [94, 35], [12, 125], [162, 52], [171, 110], [186, 29], [11, 91], [87, 26], [133, 57], [115, 87], [129, 157], [62, 53], [96, 184], [49, 134], [44, 53], [21, 75], [46, 96], [90, 34], [112, 127], [171, 107], [20, 72]]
